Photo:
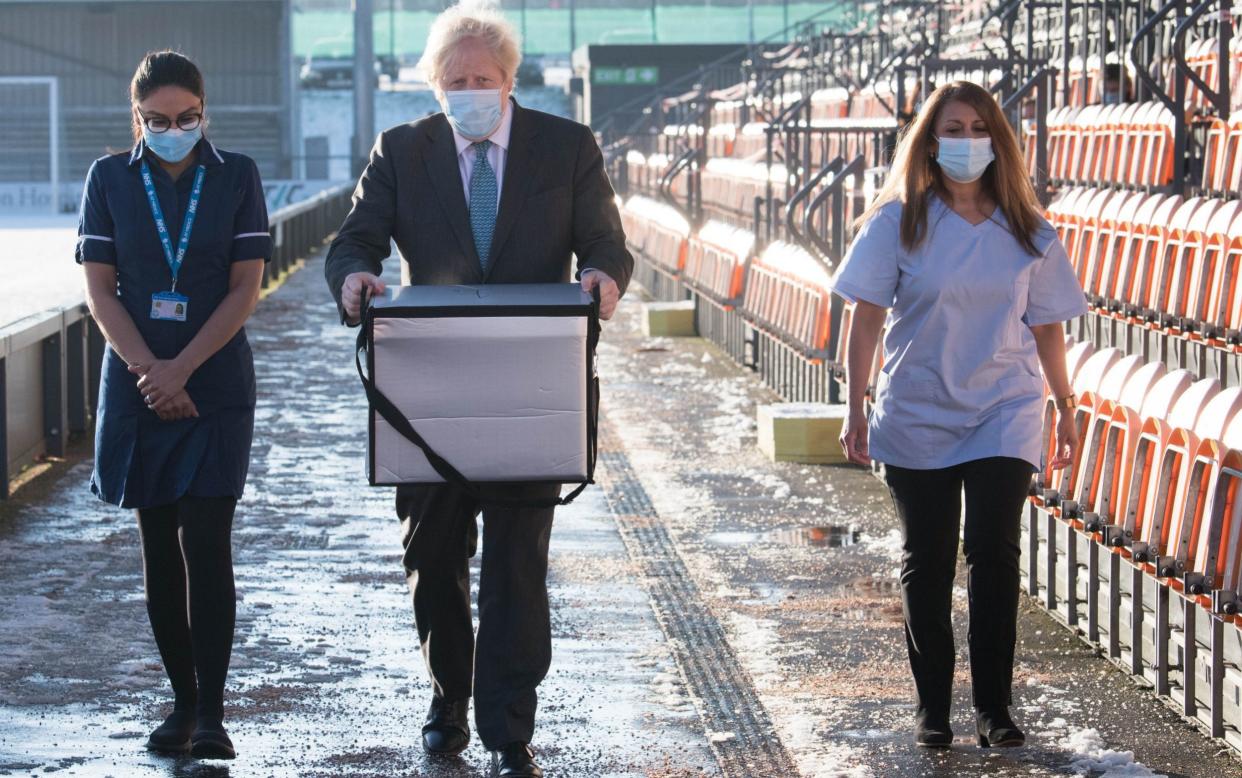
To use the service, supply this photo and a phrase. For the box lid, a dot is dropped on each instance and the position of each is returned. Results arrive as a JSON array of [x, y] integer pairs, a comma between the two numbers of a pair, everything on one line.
[[486, 300]]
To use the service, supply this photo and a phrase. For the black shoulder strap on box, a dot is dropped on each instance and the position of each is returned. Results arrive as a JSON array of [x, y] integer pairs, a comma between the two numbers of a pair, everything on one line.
[[391, 414]]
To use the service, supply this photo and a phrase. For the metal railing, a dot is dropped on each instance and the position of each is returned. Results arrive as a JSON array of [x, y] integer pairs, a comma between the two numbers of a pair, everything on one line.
[[50, 361]]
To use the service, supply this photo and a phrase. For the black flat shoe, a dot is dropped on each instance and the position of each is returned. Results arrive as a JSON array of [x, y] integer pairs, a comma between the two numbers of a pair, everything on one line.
[[937, 735], [515, 760], [996, 729], [210, 741], [173, 736], [447, 731]]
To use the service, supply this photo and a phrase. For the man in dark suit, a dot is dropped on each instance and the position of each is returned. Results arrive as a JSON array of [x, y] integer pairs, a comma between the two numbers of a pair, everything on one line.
[[487, 192]]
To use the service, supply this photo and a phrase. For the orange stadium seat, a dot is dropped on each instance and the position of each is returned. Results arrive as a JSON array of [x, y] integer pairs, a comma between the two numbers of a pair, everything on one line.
[[716, 260]]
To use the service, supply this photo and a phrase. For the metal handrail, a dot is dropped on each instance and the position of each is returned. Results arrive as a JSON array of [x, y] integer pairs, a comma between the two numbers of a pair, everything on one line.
[[605, 122], [832, 252], [1132, 52], [682, 162], [68, 345], [1219, 100], [802, 194]]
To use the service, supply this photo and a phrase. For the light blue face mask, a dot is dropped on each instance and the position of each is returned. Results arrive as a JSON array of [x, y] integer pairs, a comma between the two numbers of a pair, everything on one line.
[[964, 159], [474, 113], [172, 145]]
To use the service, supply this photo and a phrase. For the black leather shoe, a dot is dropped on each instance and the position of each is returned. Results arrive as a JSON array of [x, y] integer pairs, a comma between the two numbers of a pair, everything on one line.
[[515, 760], [210, 741], [447, 731], [996, 728], [173, 736], [931, 730]]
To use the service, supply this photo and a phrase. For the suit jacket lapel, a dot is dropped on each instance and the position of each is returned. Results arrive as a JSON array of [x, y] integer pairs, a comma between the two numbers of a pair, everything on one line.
[[440, 158], [520, 167]]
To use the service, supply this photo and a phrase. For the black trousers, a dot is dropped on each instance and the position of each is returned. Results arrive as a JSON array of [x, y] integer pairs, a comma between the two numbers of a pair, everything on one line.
[[929, 506], [511, 656], [187, 571]]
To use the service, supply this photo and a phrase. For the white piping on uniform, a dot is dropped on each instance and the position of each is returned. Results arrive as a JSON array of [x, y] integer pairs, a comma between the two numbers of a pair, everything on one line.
[[95, 237], [252, 235]]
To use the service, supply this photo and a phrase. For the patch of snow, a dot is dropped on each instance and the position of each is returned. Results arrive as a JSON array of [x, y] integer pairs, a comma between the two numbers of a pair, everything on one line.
[[1091, 756]]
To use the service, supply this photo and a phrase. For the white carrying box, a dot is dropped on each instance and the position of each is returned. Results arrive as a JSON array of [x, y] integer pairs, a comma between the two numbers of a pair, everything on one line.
[[498, 380]]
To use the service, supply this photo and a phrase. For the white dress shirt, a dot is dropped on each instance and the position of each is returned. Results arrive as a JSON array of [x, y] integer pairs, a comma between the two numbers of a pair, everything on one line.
[[496, 154]]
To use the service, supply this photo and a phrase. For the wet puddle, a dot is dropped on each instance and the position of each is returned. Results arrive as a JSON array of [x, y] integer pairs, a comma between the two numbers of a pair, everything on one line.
[[830, 536]]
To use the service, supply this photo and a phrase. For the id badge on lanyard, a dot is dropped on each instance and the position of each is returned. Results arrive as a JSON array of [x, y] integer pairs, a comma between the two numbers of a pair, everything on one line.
[[171, 306]]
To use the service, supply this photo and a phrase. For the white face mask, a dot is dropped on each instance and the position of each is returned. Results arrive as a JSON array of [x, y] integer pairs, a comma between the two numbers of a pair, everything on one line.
[[964, 159], [474, 113]]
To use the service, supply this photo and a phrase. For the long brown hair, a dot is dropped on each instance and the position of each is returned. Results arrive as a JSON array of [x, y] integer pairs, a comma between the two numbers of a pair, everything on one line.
[[915, 173]]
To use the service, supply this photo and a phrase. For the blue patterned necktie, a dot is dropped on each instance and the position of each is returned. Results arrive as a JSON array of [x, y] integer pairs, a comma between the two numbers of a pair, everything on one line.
[[483, 196]]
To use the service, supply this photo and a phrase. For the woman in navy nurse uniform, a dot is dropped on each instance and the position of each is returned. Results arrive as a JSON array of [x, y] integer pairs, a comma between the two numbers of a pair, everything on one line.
[[173, 238]]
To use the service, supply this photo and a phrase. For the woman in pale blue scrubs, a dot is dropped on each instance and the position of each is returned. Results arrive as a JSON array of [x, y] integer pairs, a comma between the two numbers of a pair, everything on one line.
[[975, 286]]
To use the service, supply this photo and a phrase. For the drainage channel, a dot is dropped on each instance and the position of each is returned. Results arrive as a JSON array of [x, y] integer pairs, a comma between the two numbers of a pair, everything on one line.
[[742, 737]]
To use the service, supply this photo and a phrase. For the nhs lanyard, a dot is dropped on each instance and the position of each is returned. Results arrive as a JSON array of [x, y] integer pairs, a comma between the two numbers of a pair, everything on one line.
[[174, 261]]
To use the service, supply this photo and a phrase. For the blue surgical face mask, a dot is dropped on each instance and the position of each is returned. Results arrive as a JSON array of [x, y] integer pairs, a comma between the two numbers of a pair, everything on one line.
[[964, 159], [474, 113], [172, 145]]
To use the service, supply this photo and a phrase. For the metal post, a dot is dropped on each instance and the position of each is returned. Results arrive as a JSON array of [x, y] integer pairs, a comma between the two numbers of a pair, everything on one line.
[[4, 431], [364, 83], [573, 27], [76, 375], [1066, 7], [53, 89], [1224, 68], [655, 34], [750, 18], [54, 410]]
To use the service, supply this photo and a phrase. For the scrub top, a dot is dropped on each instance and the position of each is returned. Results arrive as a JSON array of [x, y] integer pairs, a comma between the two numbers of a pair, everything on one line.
[[140, 460], [961, 377]]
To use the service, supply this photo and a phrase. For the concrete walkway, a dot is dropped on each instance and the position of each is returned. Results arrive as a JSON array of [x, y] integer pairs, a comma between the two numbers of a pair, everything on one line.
[[714, 614]]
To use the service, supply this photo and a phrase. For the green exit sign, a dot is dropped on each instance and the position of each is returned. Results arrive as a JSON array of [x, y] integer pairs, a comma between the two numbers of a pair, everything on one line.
[[640, 76]]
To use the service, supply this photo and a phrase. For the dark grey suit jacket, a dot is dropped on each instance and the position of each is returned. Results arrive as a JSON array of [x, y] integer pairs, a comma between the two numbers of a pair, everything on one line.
[[556, 202]]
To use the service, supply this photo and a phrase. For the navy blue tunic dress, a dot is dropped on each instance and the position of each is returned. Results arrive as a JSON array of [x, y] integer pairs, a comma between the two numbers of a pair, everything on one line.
[[140, 460]]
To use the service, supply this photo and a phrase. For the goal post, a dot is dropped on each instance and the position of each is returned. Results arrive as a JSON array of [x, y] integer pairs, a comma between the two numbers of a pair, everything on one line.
[[52, 84]]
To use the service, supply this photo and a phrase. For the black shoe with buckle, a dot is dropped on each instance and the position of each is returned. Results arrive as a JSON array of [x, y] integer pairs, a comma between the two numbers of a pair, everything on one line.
[[996, 729], [173, 736], [515, 760], [447, 731]]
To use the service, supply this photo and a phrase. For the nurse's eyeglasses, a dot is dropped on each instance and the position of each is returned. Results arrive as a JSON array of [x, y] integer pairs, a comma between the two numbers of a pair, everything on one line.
[[158, 124]]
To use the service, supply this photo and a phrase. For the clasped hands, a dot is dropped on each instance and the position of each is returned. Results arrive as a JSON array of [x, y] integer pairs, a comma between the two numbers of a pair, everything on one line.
[[162, 385]]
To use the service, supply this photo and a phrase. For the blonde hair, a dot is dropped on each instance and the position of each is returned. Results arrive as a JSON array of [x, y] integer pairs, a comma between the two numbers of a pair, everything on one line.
[[915, 174], [480, 19]]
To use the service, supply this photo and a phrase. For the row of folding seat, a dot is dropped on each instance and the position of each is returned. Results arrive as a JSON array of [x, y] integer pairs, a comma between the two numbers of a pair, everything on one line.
[[716, 262], [1157, 472], [830, 103], [657, 231], [787, 294], [645, 171], [1126, 143], [1158, 261], [783, 291], [1222, 165], [1203, 57], [732, 185]]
